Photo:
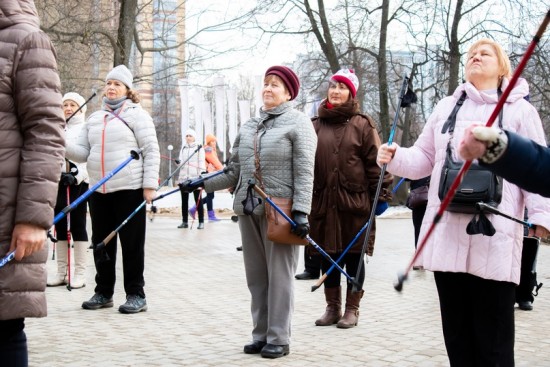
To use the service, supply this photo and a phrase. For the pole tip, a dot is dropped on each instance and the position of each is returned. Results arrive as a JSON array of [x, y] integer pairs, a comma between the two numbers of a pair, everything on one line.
[[400, 280]]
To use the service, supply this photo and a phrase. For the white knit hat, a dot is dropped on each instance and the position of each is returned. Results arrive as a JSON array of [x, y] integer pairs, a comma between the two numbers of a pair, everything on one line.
[[191, 132], [77, 98], [121, 73]]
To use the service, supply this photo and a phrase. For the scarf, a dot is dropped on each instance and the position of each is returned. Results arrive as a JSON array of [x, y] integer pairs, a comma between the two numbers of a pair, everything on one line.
[[114, 104], [338, 114]]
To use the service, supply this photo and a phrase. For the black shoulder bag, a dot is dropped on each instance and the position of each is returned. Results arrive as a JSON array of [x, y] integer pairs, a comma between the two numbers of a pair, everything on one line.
[[478, 184]]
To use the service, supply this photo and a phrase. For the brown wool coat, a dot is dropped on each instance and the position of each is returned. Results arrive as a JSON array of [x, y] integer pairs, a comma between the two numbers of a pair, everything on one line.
[[31, 151], [345, 181]]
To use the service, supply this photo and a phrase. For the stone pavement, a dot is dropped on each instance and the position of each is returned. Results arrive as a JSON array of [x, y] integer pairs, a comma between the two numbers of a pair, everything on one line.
[[199, 311]]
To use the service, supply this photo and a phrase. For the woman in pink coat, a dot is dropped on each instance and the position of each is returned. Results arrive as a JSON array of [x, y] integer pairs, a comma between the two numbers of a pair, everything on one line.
[[476, 275]]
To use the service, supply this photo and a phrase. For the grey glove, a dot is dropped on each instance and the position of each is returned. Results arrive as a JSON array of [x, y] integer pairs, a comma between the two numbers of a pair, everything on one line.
[[302, 225]]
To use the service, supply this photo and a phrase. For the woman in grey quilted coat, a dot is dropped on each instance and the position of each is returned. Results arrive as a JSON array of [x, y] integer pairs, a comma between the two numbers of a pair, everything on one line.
[[285, 146]]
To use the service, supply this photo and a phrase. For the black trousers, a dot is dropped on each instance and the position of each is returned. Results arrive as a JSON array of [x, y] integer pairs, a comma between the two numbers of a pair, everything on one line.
[[77, 215], [349, 263], [107, 212], [312, 263], [185, 205], [528, 279], [417, 217], [13, 343], [478, 319]]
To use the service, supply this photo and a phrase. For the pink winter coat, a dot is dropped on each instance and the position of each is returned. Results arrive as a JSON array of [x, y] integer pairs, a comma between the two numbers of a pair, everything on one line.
[[450, 248]]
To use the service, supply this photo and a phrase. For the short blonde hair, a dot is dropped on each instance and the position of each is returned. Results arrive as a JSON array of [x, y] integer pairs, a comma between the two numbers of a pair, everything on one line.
[[505, 70]]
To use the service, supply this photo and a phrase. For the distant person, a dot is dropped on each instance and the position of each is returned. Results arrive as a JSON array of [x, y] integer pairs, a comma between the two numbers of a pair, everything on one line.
[[194, 166], [212, 164], [110, 134], [276, 150], [312, 266], [31, 155], [74, 179], [417, 202], [475, 275], [345, 183]]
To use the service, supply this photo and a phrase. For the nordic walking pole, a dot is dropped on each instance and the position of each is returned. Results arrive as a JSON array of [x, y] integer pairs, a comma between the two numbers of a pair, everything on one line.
[[350, 245], [485, 207], [54, 241], [454, 186], [69, 239], [100, 247], [293, 224], [134, 154], [80, 107], [404, 86]]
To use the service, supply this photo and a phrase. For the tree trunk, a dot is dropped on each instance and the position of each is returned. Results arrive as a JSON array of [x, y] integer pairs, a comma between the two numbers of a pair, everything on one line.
[[384, 121], [126, 26], [454, 49]]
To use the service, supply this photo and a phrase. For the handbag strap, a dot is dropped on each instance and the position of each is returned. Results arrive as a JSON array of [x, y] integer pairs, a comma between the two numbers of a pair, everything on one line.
[[257, 171], [449, 125]]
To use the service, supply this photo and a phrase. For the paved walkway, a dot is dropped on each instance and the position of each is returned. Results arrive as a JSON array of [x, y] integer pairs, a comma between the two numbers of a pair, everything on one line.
[[199, 311]]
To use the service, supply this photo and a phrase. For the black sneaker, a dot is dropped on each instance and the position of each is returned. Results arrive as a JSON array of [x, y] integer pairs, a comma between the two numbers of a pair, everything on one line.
[[97, 301], [134, 304], [183, 225]]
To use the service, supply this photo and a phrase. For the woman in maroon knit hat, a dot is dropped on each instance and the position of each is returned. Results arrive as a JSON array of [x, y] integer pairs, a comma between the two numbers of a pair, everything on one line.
[[277, 149]]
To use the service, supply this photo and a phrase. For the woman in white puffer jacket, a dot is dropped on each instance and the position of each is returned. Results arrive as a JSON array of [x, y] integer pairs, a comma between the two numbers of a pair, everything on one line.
[[109, 135], [74, 182]]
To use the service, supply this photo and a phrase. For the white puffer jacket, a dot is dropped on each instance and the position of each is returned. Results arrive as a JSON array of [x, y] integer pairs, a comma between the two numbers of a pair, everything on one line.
[[192, 161], [106, 141], [72, 133]]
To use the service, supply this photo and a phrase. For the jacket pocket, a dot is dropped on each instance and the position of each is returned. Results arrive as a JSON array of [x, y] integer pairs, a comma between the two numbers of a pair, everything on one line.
[[353, 197]]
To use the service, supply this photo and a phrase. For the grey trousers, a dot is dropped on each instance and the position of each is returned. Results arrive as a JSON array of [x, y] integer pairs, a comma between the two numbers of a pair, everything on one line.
[[270, 269]]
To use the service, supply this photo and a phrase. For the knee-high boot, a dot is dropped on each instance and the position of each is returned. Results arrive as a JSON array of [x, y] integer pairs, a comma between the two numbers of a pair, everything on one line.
[[80, 261], [351, 315], [333, 312], [60, 278]]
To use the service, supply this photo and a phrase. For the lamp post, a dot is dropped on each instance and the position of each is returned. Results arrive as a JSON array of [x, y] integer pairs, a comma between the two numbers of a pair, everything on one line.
[[170, 148]]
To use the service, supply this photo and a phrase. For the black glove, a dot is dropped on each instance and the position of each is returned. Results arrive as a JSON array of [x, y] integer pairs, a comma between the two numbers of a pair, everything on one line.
[[188, 187], [302, 225], [67, 179]]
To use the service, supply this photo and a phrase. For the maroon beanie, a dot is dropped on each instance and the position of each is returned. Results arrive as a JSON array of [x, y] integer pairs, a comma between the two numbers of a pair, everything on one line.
[[290, 79]]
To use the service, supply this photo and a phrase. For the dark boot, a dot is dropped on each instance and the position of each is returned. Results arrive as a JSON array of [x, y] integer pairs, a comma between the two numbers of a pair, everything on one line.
[[333, 312], [351, 315], [528, 285]]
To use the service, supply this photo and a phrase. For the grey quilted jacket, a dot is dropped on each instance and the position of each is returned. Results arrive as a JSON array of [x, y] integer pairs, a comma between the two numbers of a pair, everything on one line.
[[286, 145]]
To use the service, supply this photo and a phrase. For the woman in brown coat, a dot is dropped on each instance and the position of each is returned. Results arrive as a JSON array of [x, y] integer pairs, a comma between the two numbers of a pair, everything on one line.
[[31, 155], [346, 178]]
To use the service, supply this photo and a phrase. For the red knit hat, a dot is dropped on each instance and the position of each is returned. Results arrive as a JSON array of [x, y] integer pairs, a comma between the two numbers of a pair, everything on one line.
[[290, 79], [348, 77]]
